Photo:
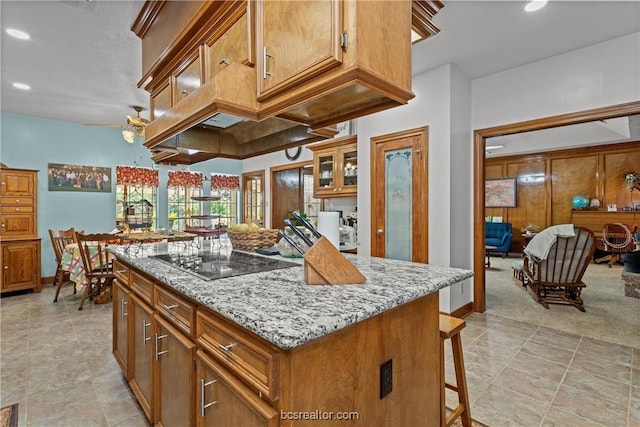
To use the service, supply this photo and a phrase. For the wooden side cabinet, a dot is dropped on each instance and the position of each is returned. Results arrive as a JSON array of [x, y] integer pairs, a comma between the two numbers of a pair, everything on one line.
[[19, 241], [335, 168]]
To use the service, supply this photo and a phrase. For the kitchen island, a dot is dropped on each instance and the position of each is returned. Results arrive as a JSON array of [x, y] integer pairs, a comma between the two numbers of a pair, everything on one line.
[[266, 349]]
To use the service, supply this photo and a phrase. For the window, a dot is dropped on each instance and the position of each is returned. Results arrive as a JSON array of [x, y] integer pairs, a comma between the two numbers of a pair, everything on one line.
[[311, 205], [226, 207], [136, 197], [181, 206], [182, 187], [228, 188]]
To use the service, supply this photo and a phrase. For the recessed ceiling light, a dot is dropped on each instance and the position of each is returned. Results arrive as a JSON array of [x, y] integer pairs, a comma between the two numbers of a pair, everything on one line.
[[494, 147], [18, 34], [21, 86], [535, 5]]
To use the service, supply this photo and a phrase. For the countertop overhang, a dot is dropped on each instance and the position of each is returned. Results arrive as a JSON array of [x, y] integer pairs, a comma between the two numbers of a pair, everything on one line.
[[280, 307]]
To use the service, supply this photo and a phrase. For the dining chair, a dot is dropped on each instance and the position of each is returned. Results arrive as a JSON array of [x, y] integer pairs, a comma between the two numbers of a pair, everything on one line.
[[98, 267], [59, 240]]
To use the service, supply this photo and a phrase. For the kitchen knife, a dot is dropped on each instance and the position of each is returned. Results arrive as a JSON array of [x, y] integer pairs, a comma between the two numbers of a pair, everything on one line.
[[290, 241], [306, 223], [298, 233]]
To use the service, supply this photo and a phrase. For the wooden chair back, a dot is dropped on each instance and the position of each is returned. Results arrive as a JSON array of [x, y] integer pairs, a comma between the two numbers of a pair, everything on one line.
[[558, 278], [59, 240], [95, 264]]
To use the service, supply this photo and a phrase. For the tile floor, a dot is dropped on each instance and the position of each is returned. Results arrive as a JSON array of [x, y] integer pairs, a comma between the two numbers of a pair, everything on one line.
[[56, 362]]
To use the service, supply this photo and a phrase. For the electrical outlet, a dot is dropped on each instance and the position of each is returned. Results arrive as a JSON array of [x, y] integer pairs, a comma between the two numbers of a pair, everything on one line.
[[462, 287], [386, 378]]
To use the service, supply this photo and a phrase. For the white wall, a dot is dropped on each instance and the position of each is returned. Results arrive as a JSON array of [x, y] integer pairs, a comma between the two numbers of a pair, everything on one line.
[[604, 74]]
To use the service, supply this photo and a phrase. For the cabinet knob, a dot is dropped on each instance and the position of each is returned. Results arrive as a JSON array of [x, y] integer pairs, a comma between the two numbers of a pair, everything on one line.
[[379, 231], [6, 267], [184, 92], [17, 200], [3, 224], [17, 209]]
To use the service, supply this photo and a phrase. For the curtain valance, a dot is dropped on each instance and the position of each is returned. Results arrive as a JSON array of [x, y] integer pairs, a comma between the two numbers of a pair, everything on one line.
[[131, 175], [184, 179], [225, 182]]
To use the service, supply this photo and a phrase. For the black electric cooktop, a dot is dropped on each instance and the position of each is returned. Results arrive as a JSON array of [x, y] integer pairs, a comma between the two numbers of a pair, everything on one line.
[[226, 264]]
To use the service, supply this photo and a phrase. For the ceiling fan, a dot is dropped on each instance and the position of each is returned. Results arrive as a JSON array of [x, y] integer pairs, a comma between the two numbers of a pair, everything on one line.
[[135, 125]]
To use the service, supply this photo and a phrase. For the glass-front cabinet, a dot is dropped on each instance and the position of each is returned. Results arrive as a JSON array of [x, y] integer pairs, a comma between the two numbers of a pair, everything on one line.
[[335, 166]]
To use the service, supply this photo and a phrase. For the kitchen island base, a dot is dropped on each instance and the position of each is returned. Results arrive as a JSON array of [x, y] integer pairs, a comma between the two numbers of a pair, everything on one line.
[[332, 380]]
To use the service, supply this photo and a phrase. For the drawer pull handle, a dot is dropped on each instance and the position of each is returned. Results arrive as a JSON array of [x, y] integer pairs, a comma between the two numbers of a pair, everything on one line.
[[227, 347], [224, 61], [203, 405], [122, 312], [265, 55], [145, 338], [170, 307], [121, 271], [160, 353]]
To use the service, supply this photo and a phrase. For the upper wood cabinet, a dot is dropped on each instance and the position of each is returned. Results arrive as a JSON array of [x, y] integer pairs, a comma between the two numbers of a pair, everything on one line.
[[188, 78], [231, 46], [297, 40], [335, 168]]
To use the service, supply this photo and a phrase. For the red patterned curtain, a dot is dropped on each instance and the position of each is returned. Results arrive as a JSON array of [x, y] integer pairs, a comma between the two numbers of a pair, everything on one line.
[[225, 182], [130, 175], [184, 179]]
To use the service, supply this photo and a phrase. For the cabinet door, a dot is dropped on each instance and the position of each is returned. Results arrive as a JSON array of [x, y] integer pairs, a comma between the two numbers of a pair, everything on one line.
[[161, 100], [348, 170], [224, 401], [17, 183], [324, 167], [121, 327], [174, 375], [20, 265], [142, 354], [296, 41], [17, 224], [230, 47], [188, 79]]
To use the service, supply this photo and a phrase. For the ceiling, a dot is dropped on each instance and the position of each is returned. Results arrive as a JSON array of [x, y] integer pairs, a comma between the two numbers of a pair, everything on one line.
[[83, 62]]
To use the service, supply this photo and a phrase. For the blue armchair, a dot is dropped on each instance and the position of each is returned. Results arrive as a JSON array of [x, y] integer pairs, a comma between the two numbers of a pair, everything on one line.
[[499, 234]]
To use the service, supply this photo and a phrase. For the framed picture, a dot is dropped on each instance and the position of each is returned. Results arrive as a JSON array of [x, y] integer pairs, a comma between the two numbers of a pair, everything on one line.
[[63, 177], [500, 193]]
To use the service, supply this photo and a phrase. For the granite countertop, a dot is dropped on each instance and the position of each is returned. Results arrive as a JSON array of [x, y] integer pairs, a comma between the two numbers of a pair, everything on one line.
[[280, 307]]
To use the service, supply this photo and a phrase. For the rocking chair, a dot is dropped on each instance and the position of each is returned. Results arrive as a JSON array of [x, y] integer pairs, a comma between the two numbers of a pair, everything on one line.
[[558, 278]]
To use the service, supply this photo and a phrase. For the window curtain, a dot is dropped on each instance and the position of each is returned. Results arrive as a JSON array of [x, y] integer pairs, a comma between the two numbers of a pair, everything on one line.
[[130, 175], [225, 182], [185, 179]]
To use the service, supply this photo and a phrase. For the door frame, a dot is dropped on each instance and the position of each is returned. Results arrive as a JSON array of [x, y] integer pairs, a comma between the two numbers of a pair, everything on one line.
[[479, 137]]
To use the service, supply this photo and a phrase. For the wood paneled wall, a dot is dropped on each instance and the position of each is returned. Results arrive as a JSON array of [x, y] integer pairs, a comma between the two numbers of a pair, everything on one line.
[[547, 182]]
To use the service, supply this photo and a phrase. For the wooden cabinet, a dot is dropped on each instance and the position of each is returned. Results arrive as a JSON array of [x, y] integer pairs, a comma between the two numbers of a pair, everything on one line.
[[121, 327], [141, 362], [297, 40], [211, 371], [225, 401], [335, 168], [174, 383], [20, 265], [280, 66], [19, 241]]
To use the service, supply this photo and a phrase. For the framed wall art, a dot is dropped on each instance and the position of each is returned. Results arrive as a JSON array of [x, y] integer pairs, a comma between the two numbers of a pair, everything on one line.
[[500, 193], [64, 177]]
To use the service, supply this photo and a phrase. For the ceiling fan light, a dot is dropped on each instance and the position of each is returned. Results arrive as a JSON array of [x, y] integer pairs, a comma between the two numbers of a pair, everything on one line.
[[128, 136]]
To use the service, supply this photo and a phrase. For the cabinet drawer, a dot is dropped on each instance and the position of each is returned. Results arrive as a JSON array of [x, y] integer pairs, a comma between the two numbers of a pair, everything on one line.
[[255, 364], [141, 286], [16, 201], [177, 309], [21, 209], [121, 272]]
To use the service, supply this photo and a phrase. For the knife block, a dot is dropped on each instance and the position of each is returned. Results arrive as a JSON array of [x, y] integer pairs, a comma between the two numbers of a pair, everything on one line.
[[325, 265]]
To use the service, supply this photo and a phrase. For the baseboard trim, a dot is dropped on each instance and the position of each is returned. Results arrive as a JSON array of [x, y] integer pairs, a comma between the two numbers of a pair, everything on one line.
[[47, 280], [463, 311]]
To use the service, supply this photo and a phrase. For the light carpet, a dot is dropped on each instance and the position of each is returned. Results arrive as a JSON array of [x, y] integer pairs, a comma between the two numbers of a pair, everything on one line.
[[610, 316]]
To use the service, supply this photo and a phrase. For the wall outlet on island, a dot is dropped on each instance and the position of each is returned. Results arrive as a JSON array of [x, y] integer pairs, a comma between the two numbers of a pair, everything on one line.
[[386, 378]]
